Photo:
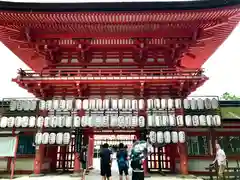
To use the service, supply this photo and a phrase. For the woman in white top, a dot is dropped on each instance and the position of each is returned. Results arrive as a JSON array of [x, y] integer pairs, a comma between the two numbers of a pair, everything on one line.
[[221, 160]]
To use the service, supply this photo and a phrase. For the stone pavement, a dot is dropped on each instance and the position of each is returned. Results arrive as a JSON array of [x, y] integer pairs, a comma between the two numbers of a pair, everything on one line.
[[93, 176]]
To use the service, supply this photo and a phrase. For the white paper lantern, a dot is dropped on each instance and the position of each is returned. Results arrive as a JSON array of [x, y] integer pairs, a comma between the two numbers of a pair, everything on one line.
[[217, 120], [120, 104], [114, 121], [167, 137], [33, 105], [170, 103], [60, 121], [188, 120], [160, 138], [68, 121], [105, 121], [152, 137], [62, 104], [186, 104], [134, 121], [10, 122], [53, 121], [13, 105], [25, 120], [172, 120], [141, 104], [195, 120], [164, 104], [47, 121], [178, 103], [121, 121], [150, 104], [134, 104], [208, 103], [19, 105], [78, 104], [141, 121], [38, 138], [59, 138], [26, 105], [99, 104], [55, 104], [114, 103], [174, 136], [49, 105], [165, 120], [45, 138], [150, 120], [193, 104], [90, 122], [203, 120], [84, 121], [77, 121], [85, 104], [69, 104], [215, 103], [106, 104], [40, 121], [42, 105], [92, 104], [158, 120], [209, 120], [200, 104], [52, 138], [157, 103], [66, 138], [180, 120], [181, 137], [32, 121], [18, 121], [4, 122], [128, 120], [127, 104], [98, 121]]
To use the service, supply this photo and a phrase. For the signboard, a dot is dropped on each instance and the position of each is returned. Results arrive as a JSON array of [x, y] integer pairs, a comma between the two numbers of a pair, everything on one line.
[[230, 112], [8, 146]]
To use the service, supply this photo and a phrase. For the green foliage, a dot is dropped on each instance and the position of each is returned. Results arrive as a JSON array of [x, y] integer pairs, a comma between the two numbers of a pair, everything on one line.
[[229, 96]]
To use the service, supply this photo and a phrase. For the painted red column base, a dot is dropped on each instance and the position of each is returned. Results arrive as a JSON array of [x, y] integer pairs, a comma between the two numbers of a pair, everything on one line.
[[38, 161], [77, 165], [183, 158], [145, 168]]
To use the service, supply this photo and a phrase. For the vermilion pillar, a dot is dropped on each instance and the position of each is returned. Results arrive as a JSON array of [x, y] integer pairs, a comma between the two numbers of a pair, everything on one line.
[[183, 156], [90, 151], [38, 159]]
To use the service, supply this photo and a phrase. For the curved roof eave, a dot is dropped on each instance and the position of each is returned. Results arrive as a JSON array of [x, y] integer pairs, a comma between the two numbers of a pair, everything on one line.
[[115, 6]]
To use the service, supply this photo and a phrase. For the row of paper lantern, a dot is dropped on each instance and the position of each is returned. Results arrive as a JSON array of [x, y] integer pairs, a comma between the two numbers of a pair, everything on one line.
[[167, 137], [52, 138], [173, 120], [23, 105], [72, 121], [201, 104], [99, 104]]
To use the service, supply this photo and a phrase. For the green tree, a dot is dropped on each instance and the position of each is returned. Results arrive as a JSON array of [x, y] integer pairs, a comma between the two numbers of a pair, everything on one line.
[[229, 96]]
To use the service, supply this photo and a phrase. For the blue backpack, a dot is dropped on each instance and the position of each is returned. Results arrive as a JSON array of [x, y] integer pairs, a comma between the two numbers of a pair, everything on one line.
[[122, 160]]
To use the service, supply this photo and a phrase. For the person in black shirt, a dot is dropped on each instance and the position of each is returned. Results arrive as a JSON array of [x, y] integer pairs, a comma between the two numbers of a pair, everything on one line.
[[106, 162], [122, 159], [83, 159]]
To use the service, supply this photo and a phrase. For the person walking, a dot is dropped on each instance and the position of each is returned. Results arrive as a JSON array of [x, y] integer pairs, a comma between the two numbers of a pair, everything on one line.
[[106, 162], [221, 161], [83, 159], [122, 159]]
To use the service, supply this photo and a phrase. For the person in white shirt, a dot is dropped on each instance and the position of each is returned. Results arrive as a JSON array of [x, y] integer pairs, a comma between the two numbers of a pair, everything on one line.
[[221, 160]]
